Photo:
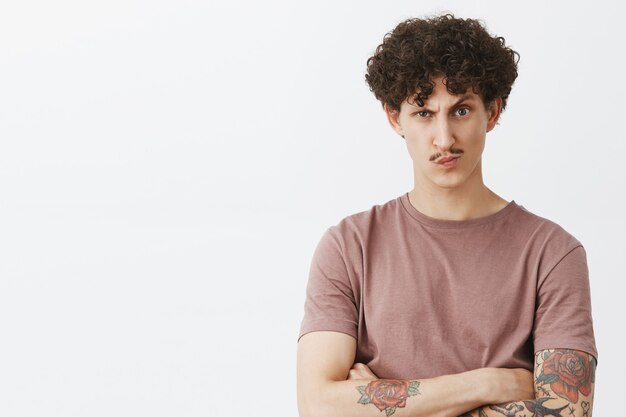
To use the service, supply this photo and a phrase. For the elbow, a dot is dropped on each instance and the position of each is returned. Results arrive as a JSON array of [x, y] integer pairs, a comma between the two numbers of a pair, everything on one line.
[[314, 404], [307, 409], [306, 405], [309, 412], [310, 409]]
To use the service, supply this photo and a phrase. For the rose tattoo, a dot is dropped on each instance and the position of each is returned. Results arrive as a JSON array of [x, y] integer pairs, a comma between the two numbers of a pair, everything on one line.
[[567, 372], [388, 394]]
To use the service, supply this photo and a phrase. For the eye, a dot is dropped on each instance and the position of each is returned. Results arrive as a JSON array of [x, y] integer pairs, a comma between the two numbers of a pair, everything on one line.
[[422, 113], [462, 111]]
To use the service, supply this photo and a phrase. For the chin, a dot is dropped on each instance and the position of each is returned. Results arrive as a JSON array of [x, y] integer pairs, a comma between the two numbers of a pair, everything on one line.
[[449, 181], [449, 185]]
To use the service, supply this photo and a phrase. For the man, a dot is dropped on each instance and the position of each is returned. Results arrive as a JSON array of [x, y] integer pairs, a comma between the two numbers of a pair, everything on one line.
[[447, 300]]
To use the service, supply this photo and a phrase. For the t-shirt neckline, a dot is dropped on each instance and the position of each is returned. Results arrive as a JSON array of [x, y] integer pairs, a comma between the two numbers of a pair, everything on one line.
[[454, 224]]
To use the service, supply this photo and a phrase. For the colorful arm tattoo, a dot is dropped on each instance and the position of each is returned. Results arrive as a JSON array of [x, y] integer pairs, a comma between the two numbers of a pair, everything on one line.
[[567, 372], [388, 394], [564, 386]]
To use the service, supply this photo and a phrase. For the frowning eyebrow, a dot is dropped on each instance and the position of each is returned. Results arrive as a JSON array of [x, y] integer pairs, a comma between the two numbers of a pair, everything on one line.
[[461, 99]]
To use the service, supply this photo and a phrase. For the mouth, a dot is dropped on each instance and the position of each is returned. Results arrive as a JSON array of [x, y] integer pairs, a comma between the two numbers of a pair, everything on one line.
[[449, 161]]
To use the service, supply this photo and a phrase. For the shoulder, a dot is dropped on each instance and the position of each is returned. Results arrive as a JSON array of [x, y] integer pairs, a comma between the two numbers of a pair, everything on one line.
[[360, 225], [348, 241], [543, 230], [547, 240]]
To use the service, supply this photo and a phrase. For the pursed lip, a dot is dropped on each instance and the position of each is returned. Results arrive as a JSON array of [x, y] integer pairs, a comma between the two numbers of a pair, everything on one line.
[[446, 159]]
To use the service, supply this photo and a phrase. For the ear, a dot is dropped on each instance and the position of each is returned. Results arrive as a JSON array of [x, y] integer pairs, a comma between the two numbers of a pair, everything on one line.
[[495, 109], [392, 116]]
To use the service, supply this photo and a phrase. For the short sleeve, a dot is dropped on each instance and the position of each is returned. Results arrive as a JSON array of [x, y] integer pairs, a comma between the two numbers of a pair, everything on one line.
[[563, 313], [330, 301]]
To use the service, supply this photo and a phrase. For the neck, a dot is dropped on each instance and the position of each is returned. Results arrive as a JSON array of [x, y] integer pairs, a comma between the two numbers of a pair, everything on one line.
[[469, 201]]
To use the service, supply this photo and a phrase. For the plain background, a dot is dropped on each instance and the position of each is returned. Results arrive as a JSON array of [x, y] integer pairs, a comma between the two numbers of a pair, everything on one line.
[[167, 168]]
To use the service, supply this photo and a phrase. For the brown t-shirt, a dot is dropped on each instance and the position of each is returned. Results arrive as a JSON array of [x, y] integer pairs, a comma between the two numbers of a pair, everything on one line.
[[426, 297]]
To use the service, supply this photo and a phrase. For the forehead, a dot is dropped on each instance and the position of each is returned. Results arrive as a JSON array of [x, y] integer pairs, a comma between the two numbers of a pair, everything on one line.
[[440, 96], [448, 99]]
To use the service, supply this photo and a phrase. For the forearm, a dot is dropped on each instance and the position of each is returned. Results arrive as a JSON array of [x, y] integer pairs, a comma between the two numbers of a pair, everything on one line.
[[444, 396], [542, 406], [564, 386]]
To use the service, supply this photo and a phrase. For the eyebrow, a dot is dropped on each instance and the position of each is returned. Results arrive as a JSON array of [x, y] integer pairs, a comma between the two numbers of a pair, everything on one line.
[[461, 99]]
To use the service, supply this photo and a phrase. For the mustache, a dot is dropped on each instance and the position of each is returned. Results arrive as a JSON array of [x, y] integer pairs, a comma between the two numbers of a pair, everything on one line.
[[451, 150]]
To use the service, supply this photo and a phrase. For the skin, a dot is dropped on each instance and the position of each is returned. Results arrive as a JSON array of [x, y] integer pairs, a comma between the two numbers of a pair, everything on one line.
[[448, 125], [325, 359], [564, 384]]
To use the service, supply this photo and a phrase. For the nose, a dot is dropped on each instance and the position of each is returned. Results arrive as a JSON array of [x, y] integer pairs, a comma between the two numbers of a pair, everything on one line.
[[444, 137]]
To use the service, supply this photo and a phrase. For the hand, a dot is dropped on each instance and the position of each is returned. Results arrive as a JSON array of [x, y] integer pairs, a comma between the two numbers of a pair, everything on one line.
[[361, 371], [509, 385]]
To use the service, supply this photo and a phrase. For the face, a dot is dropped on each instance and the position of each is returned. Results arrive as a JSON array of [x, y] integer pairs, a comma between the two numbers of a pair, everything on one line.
[[446, 126]]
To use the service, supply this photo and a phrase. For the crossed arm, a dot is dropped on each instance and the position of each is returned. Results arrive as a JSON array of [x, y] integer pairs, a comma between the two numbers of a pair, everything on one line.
[[330, 384], [564, 382]]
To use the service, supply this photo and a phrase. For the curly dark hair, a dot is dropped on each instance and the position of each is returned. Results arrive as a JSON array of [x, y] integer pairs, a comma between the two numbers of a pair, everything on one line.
[[460, 50]]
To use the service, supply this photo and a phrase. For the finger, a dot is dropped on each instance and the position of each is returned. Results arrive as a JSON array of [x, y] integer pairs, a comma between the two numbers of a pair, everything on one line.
[[354, 374], [365, 370], [370, 374], [362, 371], [358, 372]]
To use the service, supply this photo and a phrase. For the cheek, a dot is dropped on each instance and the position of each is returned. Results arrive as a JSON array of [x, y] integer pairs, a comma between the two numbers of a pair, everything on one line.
[[417, 151], [472, 141]]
